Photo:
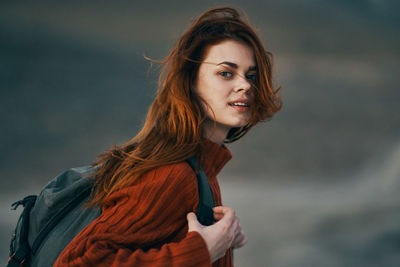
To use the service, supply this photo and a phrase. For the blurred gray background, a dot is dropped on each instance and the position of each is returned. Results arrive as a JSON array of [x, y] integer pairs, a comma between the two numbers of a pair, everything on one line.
[[315, 186]]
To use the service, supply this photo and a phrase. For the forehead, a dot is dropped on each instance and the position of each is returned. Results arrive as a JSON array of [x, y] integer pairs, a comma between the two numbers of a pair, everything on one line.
[[231, 51]]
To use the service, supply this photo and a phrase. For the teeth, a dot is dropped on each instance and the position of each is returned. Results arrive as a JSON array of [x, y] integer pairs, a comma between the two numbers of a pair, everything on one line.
[[239, 104]]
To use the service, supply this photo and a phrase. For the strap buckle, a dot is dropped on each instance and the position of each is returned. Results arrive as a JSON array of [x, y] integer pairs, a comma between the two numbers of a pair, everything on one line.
[[12, 258]]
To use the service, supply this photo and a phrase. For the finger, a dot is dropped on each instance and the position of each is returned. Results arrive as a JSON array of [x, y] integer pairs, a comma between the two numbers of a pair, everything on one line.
[[230, 230], [193, 223], [240, 239], [228, 214], [235, 225], [222, 209], [238, 228], [243, 242], [218, 216], [240, 242], [237, 234]]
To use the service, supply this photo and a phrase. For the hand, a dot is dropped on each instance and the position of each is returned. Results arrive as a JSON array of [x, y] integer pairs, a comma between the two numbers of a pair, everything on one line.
[[240, 238], [220, 236]]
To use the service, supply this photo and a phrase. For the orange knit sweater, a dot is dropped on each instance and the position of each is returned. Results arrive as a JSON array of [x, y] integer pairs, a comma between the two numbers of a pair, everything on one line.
[[145, 224]]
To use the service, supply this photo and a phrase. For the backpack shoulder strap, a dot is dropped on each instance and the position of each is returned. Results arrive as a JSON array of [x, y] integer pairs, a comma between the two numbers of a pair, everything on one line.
[[205, 214], [18, 257]]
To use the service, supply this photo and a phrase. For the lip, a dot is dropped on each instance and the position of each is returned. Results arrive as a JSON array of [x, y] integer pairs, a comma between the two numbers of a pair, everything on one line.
[[240, 108], [245, 101]]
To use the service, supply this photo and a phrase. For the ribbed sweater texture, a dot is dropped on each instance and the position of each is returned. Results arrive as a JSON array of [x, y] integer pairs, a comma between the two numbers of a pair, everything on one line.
[[145, 224]]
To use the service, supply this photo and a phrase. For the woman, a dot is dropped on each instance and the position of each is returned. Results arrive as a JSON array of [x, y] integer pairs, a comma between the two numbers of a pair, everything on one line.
[[215, 85]]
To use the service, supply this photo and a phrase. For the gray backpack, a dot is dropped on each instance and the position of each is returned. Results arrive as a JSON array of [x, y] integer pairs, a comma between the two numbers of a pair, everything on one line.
[[52, 219]]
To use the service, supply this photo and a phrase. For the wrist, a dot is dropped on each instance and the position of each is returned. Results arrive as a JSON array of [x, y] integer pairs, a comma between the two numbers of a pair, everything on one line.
[[204, 251]]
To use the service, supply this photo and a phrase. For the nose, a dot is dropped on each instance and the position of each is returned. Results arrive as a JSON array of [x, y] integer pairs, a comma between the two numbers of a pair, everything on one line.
[[243, 84]]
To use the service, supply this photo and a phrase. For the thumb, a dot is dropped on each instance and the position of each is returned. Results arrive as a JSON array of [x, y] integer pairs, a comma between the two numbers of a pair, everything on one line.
[[193, 223]]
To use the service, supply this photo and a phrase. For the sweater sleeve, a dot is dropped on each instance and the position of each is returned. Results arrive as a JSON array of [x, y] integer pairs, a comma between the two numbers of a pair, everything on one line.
[[140, 225]]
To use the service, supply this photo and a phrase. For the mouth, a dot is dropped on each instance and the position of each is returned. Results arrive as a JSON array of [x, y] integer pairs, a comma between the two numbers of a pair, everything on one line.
[[240, 105]]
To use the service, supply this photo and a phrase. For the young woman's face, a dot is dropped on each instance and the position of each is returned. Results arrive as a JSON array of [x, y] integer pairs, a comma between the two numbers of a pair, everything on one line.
[[224, 82]]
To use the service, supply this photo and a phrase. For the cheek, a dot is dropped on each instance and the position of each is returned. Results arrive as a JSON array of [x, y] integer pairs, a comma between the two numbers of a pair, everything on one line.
[[213, 90], [222, 91], [205, 88], [217, 94]]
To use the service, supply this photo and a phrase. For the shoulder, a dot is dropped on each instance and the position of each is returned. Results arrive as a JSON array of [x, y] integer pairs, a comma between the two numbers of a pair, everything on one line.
[[178, 180], [177, 173]]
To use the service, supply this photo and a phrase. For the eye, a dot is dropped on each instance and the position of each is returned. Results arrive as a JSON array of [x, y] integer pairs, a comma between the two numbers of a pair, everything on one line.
[[226, 74], [252, 77]]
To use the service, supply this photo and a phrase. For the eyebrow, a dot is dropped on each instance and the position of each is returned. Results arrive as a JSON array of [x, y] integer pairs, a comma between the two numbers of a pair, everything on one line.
[[235, 66]]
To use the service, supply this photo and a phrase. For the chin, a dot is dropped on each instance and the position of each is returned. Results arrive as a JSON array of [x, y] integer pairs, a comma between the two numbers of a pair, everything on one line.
[[232, 123], [239, 124]]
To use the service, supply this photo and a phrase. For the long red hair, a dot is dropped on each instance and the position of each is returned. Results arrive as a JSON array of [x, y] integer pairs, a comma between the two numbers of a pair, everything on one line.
[[173, 128]]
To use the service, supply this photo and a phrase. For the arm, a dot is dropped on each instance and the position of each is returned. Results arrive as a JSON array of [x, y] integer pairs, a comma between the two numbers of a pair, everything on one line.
[[144, 225]]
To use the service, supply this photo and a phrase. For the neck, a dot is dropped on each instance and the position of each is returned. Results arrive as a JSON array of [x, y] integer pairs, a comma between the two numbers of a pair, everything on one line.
[[215, 131]]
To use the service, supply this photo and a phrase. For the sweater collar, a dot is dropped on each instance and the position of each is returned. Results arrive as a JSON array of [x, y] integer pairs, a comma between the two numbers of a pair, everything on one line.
[[216, 157]]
